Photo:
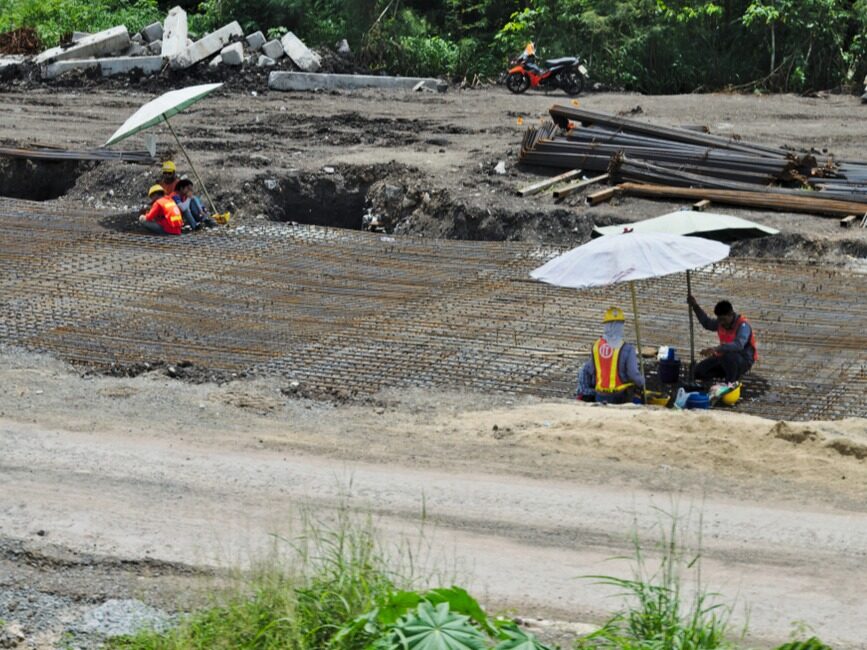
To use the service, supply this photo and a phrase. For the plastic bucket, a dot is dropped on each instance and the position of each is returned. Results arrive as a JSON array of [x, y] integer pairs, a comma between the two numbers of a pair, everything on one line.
[[698, 401], [669, 371]]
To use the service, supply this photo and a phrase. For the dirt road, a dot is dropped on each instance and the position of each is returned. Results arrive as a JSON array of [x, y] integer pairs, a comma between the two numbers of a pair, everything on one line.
[[151, 468]]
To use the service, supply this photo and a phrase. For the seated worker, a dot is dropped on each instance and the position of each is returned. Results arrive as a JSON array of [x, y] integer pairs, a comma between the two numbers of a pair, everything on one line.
[[164, 216], [737, 351], [169, 179], [612, 371], [193, 210]]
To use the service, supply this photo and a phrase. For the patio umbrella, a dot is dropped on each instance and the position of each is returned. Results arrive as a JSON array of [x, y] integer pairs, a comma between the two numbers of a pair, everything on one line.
[[159, 110], [708, 225], [626, 258]]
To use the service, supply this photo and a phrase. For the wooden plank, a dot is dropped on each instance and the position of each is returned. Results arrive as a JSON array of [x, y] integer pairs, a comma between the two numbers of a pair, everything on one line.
[[701, 206], [548, 182], [563, 192], [602, 195], [846, 222]]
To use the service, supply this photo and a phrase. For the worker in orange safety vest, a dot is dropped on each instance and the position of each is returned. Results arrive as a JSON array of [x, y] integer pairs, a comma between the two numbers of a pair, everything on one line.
[[164, 216], [612, 372], [737, 350]]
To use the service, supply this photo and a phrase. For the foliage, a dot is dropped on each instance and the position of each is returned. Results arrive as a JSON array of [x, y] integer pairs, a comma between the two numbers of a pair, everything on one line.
[[810, 644], [658, 614], [52, 19]]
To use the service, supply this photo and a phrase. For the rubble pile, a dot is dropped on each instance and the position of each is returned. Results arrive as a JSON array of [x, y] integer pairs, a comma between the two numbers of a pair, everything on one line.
[[162, 46]]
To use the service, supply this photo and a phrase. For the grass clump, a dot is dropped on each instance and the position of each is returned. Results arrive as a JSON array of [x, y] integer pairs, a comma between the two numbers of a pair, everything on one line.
[[659, 613]]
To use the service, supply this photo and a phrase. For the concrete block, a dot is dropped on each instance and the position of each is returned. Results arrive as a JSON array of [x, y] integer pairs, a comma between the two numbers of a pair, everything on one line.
[[135, 49], [216, 61], [156, 47], [208, 46], [255, 41], [265, 61], [300, 54], [174, 33], [273, 49], [137, 38], [104, 43], [309, 81], [343, 48], [233, 54], [108, 67], [153, 32], [77, 36]]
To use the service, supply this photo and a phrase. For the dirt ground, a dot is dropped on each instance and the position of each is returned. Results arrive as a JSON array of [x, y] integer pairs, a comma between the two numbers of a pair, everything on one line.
[[146, 487]]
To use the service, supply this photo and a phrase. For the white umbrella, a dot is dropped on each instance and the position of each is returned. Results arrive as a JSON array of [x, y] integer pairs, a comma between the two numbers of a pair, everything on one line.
[[160, 110], [626, 258], [709, 225]]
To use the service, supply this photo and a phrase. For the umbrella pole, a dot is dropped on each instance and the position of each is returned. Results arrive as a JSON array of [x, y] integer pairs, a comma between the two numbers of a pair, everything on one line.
[[691, 332], [638, 338], [192, 166]]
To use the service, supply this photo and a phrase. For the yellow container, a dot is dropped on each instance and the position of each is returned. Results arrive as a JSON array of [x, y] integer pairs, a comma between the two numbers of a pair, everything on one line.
[[657, 399], [223, 218], [731, 398]]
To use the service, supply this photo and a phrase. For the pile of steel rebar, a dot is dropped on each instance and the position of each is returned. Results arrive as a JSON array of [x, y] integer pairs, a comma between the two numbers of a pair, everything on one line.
[[637, 154]]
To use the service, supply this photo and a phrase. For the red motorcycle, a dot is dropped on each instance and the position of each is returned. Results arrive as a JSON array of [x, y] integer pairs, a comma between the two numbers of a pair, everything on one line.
[[567, 73]]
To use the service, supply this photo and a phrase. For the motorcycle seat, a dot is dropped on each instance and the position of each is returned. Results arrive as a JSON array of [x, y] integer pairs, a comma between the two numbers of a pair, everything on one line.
[[564, 60]]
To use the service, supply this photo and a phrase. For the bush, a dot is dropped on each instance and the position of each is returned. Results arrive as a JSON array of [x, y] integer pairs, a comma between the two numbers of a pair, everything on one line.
[[52, 19]]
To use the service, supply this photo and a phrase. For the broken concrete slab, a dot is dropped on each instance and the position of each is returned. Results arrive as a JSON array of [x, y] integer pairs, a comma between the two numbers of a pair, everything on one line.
[[301, 55], [156, 47], [265, 61], [137, 38], [103, 43], [233, 54], [153, 32], [216, 61], [208, 46], [135, 49], [255, 41], [107, 67], [273, 49], [174, 33], [77, 36], [311, 81]]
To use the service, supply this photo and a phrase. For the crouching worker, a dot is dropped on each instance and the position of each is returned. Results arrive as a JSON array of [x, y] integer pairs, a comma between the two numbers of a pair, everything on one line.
[[164, 216], [192, 209], [736, 352], [612, 373]]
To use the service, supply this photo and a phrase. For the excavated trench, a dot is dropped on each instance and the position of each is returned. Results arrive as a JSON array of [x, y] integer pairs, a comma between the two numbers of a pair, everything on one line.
[[39, 180], [330, 200]]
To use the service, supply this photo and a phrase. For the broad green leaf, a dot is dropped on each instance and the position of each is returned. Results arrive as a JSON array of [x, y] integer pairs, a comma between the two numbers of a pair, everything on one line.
[[398, 604], [520, 640], [432, 627], [460, 602]]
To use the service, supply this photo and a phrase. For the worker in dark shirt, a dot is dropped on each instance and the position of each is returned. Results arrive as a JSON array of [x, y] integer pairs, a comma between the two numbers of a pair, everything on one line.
[[736, 352]]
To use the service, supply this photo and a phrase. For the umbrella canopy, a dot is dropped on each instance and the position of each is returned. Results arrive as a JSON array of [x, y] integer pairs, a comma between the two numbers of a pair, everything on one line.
[[633, 256], [708, 225], [160, 109]]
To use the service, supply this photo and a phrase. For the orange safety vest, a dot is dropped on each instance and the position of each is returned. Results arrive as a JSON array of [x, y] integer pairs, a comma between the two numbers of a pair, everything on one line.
[[605, 359], [728, 336], [170, 220]]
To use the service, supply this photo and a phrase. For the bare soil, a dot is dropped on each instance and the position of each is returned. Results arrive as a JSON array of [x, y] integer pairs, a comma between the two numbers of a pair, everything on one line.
[[142, 487]]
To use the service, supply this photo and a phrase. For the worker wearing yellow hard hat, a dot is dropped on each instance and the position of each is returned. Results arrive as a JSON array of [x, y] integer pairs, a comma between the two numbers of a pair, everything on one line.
[[164, 216], [612, 373], [169, 179]]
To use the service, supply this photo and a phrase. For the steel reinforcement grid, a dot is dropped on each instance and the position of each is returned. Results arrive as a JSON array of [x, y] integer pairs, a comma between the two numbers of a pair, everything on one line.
[[353, 310]]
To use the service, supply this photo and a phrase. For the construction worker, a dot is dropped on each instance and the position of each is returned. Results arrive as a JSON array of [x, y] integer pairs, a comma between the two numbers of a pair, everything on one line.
[[164, 216], [169, 180], [193, 210], [736, 352], [612, 371]]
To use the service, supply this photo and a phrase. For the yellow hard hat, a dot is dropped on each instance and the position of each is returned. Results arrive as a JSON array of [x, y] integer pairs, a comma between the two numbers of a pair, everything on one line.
[[154, 189], [168, 167], [731, 398], [613, 314]]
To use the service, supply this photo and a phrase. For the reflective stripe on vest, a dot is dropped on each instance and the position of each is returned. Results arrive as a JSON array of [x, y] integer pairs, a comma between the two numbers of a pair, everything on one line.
[[606, 359], [728, 336], [171, 210]]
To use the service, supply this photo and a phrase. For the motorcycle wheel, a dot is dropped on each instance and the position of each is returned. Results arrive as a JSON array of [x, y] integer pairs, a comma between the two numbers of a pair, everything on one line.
[[572, 82], [517, 83]]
